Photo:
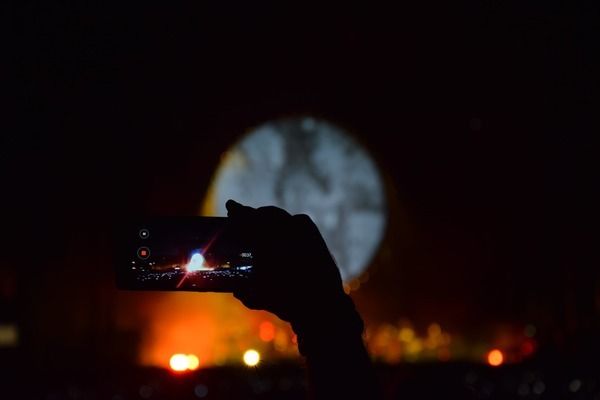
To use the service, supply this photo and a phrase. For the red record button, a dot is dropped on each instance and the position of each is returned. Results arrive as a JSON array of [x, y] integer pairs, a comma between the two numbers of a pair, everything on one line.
[[143, 253]]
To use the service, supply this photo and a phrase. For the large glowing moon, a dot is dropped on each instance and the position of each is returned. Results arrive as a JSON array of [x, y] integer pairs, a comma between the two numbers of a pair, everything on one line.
[[310, 166]]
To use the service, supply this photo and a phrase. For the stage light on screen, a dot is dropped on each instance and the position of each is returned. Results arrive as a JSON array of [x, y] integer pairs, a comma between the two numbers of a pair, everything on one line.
[[196, 263], [179, 362], [495, 358], [251, 357]]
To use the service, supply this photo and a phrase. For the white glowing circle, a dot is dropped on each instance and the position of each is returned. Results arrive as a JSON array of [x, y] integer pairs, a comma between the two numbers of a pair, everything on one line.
[[196, 263], [251, 357], [309, 166], [178, 362]]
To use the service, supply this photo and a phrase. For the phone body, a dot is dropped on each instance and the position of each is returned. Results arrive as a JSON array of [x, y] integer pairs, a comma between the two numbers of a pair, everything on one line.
[[202, 254]]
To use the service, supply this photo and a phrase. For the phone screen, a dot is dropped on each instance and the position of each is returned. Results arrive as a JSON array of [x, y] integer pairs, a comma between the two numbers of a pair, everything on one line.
[[181, 254]]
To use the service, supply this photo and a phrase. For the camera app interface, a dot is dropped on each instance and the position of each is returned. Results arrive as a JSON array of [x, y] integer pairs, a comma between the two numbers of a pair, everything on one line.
[[189, 254]]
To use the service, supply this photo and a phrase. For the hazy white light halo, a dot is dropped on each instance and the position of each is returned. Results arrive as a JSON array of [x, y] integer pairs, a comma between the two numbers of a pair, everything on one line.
[[310, 166]]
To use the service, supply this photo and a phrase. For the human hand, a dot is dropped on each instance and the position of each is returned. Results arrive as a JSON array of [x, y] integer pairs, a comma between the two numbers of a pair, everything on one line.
[[295, 276]]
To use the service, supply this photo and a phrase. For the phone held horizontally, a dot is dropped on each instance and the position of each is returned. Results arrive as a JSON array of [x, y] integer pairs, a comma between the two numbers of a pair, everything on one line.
[[201, 254]]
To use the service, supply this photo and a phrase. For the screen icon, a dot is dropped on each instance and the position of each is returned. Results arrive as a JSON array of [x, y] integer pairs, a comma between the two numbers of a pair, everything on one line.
[[143, 253]]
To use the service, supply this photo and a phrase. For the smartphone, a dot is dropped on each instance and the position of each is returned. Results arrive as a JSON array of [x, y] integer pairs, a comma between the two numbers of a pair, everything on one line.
[[201, 254]]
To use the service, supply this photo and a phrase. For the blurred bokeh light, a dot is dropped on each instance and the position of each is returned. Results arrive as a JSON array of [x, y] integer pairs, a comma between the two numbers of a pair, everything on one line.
[[309, 166], [495, 358], [179, 362], [251, 357]]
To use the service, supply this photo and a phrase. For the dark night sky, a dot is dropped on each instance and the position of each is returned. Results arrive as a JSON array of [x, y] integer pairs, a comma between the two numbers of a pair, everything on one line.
[[473, 112]]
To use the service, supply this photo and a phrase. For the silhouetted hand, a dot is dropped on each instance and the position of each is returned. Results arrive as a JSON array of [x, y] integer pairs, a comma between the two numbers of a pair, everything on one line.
[[294, 271], [296, 278]]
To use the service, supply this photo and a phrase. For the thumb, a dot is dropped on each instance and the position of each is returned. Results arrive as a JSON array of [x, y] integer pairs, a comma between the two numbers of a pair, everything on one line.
[[235, 209]]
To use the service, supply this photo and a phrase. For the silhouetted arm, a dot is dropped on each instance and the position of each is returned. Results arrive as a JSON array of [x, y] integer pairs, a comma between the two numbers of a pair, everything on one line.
[[297, 279], [337, 361]]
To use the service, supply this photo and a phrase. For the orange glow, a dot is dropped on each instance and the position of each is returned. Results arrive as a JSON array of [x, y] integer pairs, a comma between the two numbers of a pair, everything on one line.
[[434, 330], [528, 347], [444, 354], [266, 331], [282, 341], [216, 328], [213, 326], [179, 362], [495, 358]]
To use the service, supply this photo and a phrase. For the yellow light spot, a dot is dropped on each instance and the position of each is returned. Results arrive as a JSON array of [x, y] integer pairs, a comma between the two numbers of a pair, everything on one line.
[[495, 358], [9, 335], [179, 362], [193, 362], [406, 334], [251, 357], [414, 347]]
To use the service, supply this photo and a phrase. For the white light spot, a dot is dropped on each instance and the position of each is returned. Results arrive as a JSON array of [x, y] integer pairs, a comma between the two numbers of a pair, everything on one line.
[[196, 263], [251, 357], [309, 166]]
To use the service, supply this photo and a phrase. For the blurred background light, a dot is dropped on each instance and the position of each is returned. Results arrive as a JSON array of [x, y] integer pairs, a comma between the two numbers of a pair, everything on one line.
[[193, 362], [251, 357], [179, 362], [495, 358], [9, 335], [266, 331], [310, 166]]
